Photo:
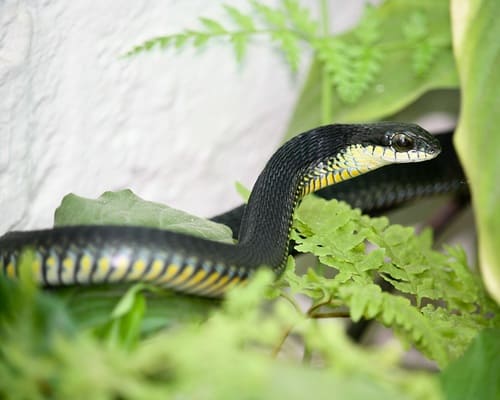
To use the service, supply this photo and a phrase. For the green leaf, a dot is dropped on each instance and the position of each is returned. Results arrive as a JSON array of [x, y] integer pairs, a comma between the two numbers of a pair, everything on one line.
[[416, 28], [213, 26], [180, 40], [425, 46], [369, 304], [149, 44], [199, 38], [286, 28], [300, 17], [475, 375], [339, 236], [92, 307], [368, 29], [171, 364], [243, 191], [476, 32], [290, 46], [126, 303], [243, 21], [124, 328], [239, 45], [271, 16], [393, 87], [162, 42], [125, 208]]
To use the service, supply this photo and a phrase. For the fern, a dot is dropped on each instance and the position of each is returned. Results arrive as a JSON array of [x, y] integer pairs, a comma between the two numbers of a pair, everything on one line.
[[352, 63], [44, 352], [440, 292], [287, 27], [425, 47]]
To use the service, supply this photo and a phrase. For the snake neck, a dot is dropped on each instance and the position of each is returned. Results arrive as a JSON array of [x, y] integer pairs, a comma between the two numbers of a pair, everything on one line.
[[268, 217]]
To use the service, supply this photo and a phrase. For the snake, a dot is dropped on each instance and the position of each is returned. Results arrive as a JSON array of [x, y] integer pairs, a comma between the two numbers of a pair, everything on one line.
[[388, 188], [309, 162]]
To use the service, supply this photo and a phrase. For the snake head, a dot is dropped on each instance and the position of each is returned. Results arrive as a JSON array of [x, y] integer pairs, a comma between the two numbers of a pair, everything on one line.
[[401, 143]]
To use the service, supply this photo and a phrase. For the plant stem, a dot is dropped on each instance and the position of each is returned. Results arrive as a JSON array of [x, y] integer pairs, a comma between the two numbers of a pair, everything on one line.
[[326, 86], [292, 301], [283, 338], [333, 314]]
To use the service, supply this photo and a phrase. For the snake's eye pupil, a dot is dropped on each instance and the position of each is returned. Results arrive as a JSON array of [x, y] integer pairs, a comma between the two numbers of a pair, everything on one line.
[[402, 142]]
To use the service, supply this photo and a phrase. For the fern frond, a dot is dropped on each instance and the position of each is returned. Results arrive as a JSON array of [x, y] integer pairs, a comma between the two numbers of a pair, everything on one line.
[[338, 236], [417, 27], [280, 32], [300, 17], [366, 65], [289, 46], [213, 26], [239, 41], [285, 27], [353, 66], [243, 21], [368, 30], [271, 16], [423, 57], [425, 48]]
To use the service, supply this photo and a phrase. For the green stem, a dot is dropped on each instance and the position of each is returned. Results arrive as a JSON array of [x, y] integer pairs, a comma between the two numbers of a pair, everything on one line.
[[324, 17], [326, 85]]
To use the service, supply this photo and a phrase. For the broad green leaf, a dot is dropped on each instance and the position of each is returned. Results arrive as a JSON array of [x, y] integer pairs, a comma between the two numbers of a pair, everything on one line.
[[125, 208], [93, 306], [475, 375], [396, 84], [477, 50], [124, 328]]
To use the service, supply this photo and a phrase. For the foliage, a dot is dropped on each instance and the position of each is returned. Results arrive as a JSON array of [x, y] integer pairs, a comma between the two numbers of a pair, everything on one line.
[[286, 27], [478, 137], [52, 348], [142, 342], [437, 305], [415, 46], [126, 208], [193, 361], [353, 63], [475, 374]]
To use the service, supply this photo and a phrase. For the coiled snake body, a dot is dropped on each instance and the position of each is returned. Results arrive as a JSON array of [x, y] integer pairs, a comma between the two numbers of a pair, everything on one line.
[[308, 162]]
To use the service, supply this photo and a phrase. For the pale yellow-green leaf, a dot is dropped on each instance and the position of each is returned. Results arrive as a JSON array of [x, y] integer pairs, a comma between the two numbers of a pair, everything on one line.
[[476, 33]]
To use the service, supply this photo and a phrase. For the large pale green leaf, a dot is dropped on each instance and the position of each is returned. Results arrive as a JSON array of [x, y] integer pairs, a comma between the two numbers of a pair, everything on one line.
[[92, 307], [397, 84], [126, 208], [476, 375], [476, 35]]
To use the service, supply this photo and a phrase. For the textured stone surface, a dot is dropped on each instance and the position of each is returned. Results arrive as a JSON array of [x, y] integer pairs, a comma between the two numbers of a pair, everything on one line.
[[175, 127]]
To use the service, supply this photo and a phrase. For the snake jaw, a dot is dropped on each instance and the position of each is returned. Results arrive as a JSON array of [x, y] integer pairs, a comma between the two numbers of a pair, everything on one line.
[[410, 156]]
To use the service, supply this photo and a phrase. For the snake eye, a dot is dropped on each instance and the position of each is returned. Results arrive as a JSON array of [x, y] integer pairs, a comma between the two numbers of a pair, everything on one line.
[[402, 142]]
